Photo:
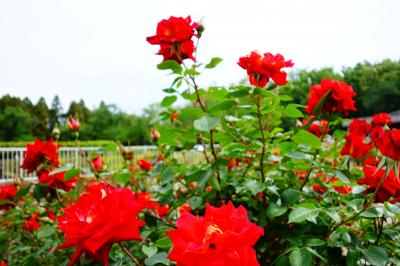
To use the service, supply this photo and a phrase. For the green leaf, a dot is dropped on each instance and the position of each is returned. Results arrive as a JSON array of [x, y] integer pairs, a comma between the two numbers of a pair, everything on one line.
[[63, 168], [333, 214], [254, 186], [22, 192], [314, 242], [214, 62], [306, 138], [206, 123], [320, 105], [377, 256], [149, 251], [303, 213], [122, 176], [39, 191], [352, 257], [159, 258], [167, 176], [171, 65], [168, 101], [300, 257], [373, 212], [190, 114], [163, 243], [195, 202], [291, 196], [293, 112], [169, 90], [274, 210], [45, 231], [71, 173]]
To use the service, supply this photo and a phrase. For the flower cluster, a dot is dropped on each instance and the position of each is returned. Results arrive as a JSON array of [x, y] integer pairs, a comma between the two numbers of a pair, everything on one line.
[[7, 192]]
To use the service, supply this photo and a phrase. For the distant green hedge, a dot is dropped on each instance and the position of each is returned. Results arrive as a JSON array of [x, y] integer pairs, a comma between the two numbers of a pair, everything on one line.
[[91, 143]]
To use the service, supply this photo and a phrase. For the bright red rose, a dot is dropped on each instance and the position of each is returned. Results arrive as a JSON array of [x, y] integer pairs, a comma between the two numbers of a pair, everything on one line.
[[390, 186], [144, 165], [3, 263], [231, 163], [339, 100], [40, 153], [98, 164], [319, 189], [173, 116], [184, 208], [7, 192], [359, 127], [381, 120], [340, 189], [224, 236], [174, 35], [356, 146], [317, 127], [262, 67], [98, 219], [388, 142], [163, 210], [146, 199], [73, 123], [57, 180], [32, 224]]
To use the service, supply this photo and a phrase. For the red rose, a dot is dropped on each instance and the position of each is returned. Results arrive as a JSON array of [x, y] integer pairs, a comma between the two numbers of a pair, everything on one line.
[[32, 224], [339, 100], [98, 164], [224, 236], [163, 210], [381, 120], [57, 180], [317, 127], [340, 189], [98, 219], [390, 186], [359, 127], [73, 123], [146, 200], [174, 35], [388, 142], [262, 67], [3, 263], [7, 192], [40, 153], [144, 164], [356, 146], [184, 208], [319, 189]]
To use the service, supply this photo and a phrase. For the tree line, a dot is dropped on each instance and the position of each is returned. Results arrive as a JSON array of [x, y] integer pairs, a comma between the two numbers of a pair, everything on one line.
[[377, 87]]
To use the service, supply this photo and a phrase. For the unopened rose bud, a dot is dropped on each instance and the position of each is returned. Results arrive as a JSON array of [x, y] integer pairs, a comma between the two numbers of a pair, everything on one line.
[[98, 164], [154, 134], [174, 116], [56, 133], [73, 123], [200, 29]]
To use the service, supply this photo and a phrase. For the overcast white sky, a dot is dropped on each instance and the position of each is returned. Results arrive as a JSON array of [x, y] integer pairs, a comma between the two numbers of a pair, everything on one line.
[[96, 50]]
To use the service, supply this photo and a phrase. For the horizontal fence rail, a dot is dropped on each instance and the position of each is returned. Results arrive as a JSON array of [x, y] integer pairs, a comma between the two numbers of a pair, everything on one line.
[[12, 158]]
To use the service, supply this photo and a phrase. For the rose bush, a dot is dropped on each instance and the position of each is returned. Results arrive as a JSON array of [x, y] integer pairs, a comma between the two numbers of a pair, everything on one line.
[[242, 176]]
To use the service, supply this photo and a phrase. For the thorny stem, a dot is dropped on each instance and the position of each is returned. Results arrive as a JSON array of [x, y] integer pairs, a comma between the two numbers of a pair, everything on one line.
[[133, 258]]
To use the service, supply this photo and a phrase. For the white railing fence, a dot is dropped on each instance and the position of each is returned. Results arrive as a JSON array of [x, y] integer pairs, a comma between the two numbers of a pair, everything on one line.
[[12, 158]]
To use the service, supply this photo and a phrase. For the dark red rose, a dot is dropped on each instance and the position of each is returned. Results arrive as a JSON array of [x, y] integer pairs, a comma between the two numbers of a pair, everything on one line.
[[40, 153], [263, 67], [339, 100], [7, 192], [224, 236], [73, 123], [174, 35], [32, 224], [359, 127], [98, 164], [388, 142], [317, 127], [98, 219], [57, 180], [356, 146], [144, 164], [381, 120], [390, 186]]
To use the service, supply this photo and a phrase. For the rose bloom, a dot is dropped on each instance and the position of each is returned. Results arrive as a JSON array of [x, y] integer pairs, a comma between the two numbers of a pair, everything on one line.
[[73, 123], [7, 192], [319, 189], [317, 127], [381, 119], [174, 35], [356, 146], [184, 208], [57, 180], [32, 224], [388, 142], [3, 263], [98, 219], [38, 153], [339, 100], [144, 164], [390, 186], [98, 164], [263, 67], [359, 127], [162, 210], [224, 236], [340, 189]]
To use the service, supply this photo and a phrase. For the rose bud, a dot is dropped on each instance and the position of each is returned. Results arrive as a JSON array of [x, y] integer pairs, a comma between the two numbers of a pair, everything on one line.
[[56, 133], [98, 164], [154, 134], [73, 123], [174, 116]]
